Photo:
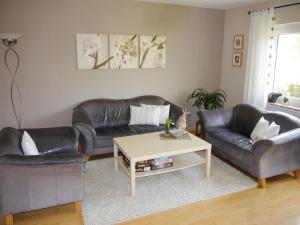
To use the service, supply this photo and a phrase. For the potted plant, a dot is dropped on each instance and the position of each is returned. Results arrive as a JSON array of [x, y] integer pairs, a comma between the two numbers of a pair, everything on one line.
[[206, 100], [169, 123]]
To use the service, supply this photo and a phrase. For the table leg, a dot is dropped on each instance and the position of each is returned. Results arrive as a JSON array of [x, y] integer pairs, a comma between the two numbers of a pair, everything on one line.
[[208, 161], [115, 157], [132, 177]]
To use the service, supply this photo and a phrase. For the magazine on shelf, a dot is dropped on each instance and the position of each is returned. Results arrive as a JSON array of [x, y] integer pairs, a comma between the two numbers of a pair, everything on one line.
[[152, 164], [157, 167]]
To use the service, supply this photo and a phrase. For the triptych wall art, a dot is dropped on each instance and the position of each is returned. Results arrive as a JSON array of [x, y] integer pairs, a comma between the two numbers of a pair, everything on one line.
[[103, 51]]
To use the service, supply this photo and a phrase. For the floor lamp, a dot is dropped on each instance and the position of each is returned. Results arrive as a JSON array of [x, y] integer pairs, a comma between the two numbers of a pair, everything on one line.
[[10, 40]]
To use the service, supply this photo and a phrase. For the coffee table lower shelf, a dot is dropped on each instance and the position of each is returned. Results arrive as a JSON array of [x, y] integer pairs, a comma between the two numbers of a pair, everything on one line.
[[179, 162]]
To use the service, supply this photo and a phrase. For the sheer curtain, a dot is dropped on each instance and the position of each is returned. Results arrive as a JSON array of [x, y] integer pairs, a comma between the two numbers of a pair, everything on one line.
[[259, 58]]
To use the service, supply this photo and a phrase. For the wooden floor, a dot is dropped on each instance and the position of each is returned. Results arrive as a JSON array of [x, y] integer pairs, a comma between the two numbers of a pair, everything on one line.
[[278, 204]]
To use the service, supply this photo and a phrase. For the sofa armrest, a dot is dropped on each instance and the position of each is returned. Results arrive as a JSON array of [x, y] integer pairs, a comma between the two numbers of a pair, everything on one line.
[[35, 160], [284, 138], [215, 118], [87, 137], [277, 155], [175, 111]]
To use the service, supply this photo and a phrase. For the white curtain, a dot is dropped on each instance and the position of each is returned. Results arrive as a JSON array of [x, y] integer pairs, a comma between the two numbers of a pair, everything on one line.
[[258, 58]]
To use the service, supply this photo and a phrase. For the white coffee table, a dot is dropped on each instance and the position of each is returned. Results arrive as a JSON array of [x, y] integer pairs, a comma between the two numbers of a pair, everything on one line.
[[149, 146]]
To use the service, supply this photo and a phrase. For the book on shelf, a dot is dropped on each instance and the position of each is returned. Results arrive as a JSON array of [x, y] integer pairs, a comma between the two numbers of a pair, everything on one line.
[[152, 164], [145, 169], [161, 161], [162, 166]]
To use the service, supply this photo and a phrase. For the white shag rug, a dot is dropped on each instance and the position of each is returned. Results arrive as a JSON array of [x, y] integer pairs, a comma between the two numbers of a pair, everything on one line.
[[107, 197]]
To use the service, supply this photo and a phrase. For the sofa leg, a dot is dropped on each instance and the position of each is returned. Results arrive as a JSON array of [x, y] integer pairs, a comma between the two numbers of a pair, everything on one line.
[[77, 207], [262, 183], [296, 174], [9, 219]]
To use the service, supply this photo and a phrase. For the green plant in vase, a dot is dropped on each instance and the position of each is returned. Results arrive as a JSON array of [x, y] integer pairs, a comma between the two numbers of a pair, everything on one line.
[[169, 123]]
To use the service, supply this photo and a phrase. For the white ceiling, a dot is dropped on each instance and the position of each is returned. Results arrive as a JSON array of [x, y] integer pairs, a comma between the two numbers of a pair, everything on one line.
[[214, 4]]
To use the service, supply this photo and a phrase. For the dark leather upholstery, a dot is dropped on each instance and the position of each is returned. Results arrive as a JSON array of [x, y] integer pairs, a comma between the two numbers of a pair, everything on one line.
[[228, 130], [33, 182], [100, 120], [143, 129], [232, 138], [105, 135], [244, 119], [231, 146]]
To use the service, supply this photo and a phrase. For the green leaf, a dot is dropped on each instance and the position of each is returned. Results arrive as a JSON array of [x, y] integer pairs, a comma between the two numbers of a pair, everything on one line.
[[207, 100]]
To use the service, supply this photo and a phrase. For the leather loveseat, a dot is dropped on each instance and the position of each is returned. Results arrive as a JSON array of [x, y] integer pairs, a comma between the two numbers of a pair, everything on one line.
[[229, 130], [38, 181], [100, 120]]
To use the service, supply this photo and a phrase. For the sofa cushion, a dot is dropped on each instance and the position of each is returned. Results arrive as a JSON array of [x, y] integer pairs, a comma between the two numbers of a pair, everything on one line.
[[144, 115], [143, 129], [244, 119], [259, 130], [232, 146], [230, 137], [164, 112], [28, 145], [105, 135]]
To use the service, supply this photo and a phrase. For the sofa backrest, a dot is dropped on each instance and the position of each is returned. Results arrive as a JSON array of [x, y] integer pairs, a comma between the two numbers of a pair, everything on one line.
[[244, 119], [110, 112], [10, 142], [286, 121]]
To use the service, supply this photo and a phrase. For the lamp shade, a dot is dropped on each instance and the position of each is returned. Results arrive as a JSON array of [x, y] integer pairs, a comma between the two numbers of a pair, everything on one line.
[[10, 36]]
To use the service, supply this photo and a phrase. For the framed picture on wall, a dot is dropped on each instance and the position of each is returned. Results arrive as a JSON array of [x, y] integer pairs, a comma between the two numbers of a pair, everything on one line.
[[152, 51], [238, 42], [124, 51], [92, 51], [237, 59]]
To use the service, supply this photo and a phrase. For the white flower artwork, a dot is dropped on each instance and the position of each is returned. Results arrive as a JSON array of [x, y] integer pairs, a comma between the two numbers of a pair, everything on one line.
[[152, 51], [124, 51], [92, 51]]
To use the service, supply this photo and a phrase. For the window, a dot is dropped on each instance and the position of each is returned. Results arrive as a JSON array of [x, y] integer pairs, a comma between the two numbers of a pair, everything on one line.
[[287, 64]]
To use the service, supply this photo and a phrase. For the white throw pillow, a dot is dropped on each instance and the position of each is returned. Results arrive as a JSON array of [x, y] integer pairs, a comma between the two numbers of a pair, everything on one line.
[[28, 145], [164, 112], [272, 131], [259, 130], [144, 115]]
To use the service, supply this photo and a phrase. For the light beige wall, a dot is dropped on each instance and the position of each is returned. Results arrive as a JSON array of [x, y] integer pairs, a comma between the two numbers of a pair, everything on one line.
[[51, 84], [237, 21]]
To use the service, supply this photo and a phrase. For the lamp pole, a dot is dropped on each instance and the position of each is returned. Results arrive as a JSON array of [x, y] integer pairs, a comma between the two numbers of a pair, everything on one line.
[[10, 40]]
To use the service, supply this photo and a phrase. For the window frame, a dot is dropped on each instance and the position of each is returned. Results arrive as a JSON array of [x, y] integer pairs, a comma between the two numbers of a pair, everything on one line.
[[281, 29]]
